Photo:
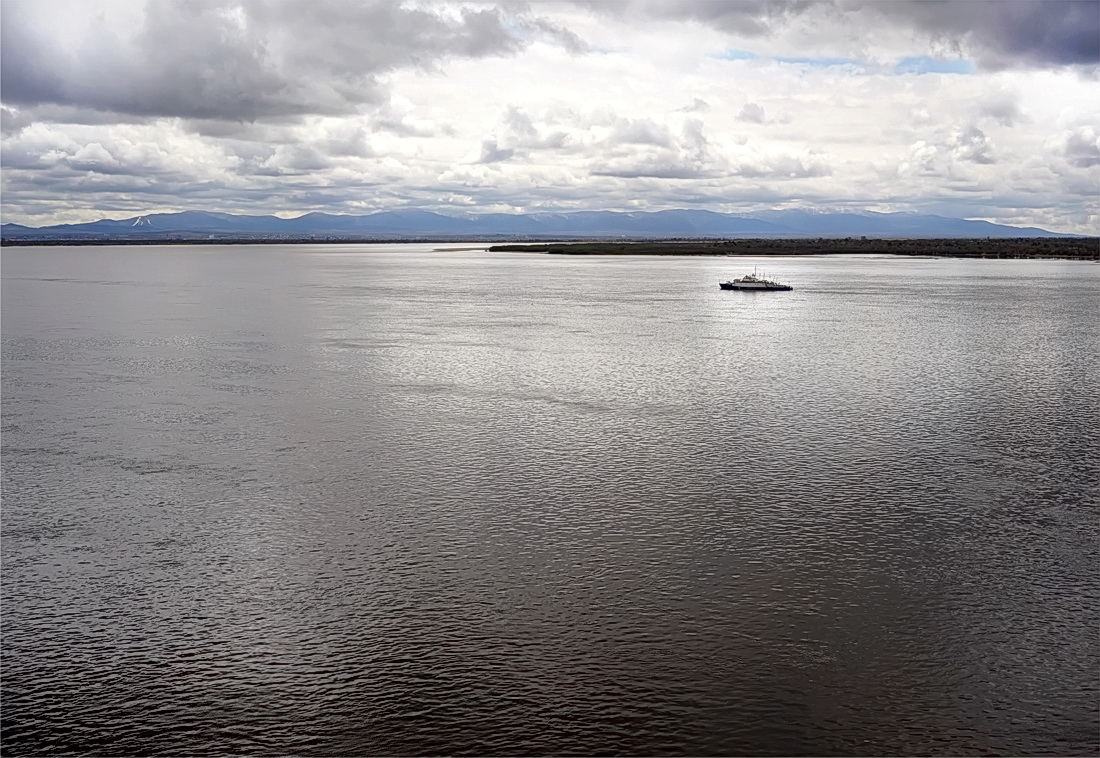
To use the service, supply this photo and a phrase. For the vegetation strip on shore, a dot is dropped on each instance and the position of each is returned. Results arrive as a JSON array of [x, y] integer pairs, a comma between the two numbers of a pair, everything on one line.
[[1073, 248]]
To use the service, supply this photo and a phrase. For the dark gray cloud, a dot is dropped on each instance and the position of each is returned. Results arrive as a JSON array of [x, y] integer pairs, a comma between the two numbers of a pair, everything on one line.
[[303, 159], [558, 34], [998, 33], [752, 18], [67, 180], [1006, 33], [219, 129], [244, 61], [492, 153], [1082, 149], [188, 59], [13, 120], [350, 142], [80, 182], [16, 155]]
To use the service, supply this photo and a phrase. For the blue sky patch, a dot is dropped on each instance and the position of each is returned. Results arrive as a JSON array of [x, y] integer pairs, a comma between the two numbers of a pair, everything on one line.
[[916, 64], [924, 64], [823, 62], [736, 54]]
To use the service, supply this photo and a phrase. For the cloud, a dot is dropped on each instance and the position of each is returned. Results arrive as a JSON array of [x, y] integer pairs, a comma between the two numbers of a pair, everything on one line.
[[921, 159], [248, 60], [642, 148], [95, 158], [122, 149], [752, 113], [972, 145], [784, 166], [752, 18], [642, 131], [520, 131], [397, 119], [1000, 106], [255, 106], [557, 34], [654, 169], [517, 136], [1004, 34], [294, 159], [963, 147], [698, 105], [185, 59], [14, 120], [1081, 148], [492, 153], [997, 33], [346, 140]]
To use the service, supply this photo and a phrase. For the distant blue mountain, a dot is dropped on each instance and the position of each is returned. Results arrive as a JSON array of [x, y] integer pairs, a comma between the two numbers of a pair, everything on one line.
[[417, 224]]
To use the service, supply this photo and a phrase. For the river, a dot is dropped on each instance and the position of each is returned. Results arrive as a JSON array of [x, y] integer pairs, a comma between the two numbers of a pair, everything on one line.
[[401, 500]]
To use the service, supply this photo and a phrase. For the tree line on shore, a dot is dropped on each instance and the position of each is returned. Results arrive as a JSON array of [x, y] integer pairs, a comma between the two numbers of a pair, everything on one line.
[[1076, 248]]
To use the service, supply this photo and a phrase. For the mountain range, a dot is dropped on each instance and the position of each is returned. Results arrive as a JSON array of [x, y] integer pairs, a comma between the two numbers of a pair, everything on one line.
[[417, 224]]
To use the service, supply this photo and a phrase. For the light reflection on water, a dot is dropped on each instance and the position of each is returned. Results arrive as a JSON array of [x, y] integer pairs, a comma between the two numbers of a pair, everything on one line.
[[383, 500]]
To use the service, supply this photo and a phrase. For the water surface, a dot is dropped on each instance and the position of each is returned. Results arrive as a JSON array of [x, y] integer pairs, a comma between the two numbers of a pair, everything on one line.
[[382, 500]]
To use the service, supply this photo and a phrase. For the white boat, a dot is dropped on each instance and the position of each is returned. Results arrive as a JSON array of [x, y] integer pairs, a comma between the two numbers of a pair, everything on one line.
[[754, 282]]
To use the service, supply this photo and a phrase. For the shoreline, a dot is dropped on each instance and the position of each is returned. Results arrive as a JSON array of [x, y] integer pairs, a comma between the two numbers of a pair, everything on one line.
[[1031, 248]]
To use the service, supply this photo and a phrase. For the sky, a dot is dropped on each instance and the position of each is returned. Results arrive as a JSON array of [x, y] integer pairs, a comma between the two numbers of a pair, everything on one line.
[[965, 108]]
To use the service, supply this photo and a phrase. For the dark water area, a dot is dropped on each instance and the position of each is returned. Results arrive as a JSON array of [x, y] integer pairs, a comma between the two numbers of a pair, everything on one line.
[[382, 500]]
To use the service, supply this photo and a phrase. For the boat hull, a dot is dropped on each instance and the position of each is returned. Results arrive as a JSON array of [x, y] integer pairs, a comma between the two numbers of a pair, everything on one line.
[[755, 287]]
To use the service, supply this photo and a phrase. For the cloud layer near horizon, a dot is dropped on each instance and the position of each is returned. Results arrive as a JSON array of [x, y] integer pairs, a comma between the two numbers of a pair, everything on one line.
[[978, 108]]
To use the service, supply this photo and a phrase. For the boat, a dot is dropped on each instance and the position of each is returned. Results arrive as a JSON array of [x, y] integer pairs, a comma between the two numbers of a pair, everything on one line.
[[754, 282]]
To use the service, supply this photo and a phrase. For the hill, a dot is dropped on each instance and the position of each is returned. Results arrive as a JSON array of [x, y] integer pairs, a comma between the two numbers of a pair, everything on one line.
[[416, 224]]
